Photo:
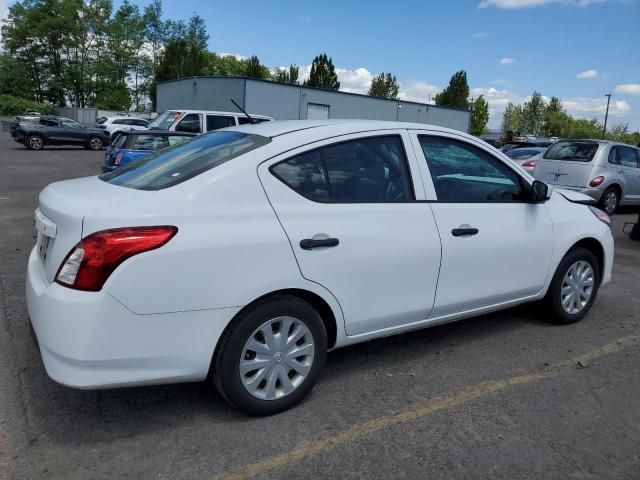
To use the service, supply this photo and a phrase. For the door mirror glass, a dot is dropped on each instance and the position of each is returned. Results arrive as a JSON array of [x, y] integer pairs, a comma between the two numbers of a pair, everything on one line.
[[539, 192]]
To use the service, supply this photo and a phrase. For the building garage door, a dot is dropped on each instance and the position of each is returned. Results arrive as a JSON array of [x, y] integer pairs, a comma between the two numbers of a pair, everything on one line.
[[317, 111]]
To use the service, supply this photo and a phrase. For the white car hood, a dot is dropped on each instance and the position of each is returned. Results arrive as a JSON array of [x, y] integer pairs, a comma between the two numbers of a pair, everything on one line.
[[573, 196]]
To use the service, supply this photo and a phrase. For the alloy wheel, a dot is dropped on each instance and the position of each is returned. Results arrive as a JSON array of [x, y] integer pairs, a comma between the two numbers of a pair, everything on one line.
[[95, 144], [610, 202], [577, 287], [35, 143], [276, 358]]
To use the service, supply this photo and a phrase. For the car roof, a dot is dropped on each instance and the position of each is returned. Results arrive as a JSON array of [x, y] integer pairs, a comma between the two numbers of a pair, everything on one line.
[[125, 117], [217, 112], [337, 126]]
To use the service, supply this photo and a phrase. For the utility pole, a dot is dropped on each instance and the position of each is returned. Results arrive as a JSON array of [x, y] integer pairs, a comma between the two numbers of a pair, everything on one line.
[[606, 115]]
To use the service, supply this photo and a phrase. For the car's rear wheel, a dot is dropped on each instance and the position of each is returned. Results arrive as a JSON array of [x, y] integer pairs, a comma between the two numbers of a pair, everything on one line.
[[271, 355], [34, 142], [609, 200], [95, 143], [574, 287]]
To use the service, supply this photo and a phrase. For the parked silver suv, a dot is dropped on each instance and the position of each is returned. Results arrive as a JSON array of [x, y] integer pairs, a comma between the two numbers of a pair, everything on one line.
[[609, 172]]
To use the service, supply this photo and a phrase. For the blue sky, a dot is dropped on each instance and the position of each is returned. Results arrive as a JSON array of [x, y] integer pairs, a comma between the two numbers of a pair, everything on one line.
[[508, 47]]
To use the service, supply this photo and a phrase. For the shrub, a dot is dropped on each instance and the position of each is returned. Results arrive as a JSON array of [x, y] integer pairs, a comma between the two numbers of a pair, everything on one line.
[[10, 106]]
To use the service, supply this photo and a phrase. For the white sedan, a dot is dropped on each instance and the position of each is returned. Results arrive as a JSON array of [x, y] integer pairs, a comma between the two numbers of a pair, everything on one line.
[[246, 253]]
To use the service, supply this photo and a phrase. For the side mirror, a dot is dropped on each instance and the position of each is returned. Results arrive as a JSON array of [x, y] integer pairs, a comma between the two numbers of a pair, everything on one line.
[[539, 192]]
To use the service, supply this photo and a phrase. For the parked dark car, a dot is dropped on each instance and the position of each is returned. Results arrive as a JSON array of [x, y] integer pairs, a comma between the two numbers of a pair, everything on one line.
[[52, 130], [494, 143], [130, 145]]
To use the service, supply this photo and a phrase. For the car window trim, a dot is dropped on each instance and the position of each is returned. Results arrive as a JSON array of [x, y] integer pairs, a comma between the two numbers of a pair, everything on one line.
[[326, 172], [524, 184]]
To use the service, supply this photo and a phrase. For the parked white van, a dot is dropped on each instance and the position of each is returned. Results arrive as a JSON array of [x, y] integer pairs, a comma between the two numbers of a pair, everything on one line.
[[200, 121]]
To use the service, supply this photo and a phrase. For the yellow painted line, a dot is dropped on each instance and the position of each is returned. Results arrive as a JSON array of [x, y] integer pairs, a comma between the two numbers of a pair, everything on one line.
[[357, 432]]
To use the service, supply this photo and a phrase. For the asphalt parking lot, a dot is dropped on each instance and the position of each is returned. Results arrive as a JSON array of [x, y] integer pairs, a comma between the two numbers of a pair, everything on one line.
[[500, 396]]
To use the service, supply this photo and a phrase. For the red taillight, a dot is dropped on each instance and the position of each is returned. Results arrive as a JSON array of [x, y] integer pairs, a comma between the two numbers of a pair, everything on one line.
[[91, 261], [118, 159], [596, 182], [529, 164]]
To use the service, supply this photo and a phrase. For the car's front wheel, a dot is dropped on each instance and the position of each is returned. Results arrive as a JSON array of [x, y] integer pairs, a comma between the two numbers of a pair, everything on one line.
[[574, 287], [34, 142], [271, 355], [95, 143]]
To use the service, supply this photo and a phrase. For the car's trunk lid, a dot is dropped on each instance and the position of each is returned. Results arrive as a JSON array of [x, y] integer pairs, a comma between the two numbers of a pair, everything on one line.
[[61, 211], [563, 172]]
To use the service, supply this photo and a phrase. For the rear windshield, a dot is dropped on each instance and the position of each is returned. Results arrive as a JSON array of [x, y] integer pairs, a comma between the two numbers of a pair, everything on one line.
[[572, 151], [119, 141], [181, 162], [164, 120]]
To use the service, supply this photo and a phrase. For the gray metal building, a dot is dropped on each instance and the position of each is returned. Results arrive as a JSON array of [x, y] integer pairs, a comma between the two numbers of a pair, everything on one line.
[[284, 101]]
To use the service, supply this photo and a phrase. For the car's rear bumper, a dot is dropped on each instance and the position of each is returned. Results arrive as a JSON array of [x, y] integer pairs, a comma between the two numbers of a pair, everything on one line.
[[90, 340]]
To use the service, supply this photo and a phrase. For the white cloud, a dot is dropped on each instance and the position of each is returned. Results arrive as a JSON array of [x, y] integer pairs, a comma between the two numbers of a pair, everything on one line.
[[628, 89], [236, 55], [516, 4], [589, 107], [481, 35], [507, 61], [417, 91], [588, 74]]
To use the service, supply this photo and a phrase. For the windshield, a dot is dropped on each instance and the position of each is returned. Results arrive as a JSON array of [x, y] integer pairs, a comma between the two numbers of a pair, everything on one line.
[[572, 151], [165, 120], [181, 162]]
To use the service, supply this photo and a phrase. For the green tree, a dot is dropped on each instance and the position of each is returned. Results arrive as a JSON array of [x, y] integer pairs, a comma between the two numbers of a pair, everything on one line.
[[284, 75], [323, 74], [556, 121], [14, 78], [254, 69], [511, 119], [384, 85], [456, 93], [479, 116], [533, 114]]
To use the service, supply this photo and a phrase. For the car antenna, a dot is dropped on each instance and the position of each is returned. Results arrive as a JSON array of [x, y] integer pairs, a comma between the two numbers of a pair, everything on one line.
[[251, 119]]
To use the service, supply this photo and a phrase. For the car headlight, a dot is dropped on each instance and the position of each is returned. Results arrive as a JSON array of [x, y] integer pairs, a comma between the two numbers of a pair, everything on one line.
[[602, 216]]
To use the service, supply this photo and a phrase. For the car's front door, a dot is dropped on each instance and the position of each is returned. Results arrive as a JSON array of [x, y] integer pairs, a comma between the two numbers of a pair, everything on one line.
[[357, 228], [73, 132], [496, 247], [628, 162]]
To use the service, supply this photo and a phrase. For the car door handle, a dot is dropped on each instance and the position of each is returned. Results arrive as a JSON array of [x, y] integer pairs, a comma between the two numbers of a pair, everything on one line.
[[461, 232], [310, 243]]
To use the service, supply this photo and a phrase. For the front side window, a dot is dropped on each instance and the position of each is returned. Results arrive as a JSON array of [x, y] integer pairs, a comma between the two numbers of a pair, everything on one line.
[[462, 173], [367, 170], [139, 122], [215, 122], [627, 157], [190, 123], [121, 121], [149, 142], [181, 162], [165, 120], [68, 123], [48, 122]]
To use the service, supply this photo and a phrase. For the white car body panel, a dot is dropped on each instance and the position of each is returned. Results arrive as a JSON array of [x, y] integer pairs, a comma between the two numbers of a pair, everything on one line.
[[161, 313]]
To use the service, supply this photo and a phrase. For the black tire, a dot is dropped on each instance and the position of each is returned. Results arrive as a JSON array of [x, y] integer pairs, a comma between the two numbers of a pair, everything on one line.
[[552, 302], [603, 200], [225, 365], [34, 142], [95, 144]]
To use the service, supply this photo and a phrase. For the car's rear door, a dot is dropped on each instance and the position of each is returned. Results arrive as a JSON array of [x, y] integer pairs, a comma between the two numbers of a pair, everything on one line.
[[357, 228], [496, 247]]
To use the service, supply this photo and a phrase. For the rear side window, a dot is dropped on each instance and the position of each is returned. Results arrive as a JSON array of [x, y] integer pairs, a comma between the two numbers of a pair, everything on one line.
[[119, 141], [121, 121], [572, 151], [181, 162], [215, 122], [176, 139], [139, 122], [305, 174], [367, 170]]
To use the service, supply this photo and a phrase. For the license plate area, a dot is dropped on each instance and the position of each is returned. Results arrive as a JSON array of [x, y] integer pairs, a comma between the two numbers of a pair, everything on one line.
[[43, 246]]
